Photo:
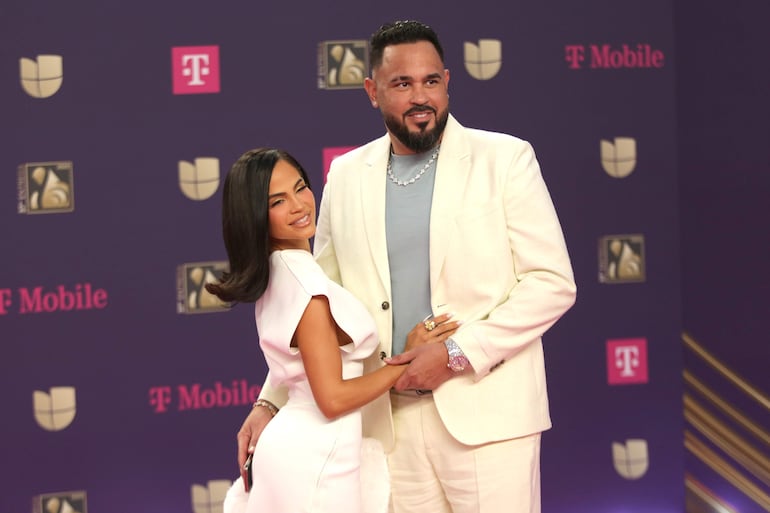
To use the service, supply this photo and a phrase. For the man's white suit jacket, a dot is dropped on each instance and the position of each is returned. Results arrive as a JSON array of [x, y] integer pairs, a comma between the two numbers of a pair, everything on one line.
[[498, 261]]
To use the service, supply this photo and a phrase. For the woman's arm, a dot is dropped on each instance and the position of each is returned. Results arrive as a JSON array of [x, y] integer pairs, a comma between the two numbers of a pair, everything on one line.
[[316, 338]]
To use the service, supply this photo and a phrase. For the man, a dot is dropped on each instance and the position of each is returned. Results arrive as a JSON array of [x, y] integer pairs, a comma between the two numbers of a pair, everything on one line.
[[432, 218]]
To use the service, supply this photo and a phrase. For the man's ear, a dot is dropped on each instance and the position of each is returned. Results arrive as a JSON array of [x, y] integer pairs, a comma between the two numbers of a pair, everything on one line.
[[371, 91]]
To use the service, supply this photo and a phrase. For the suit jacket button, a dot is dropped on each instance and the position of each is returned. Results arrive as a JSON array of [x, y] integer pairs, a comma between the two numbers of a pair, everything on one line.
[[385, 305]]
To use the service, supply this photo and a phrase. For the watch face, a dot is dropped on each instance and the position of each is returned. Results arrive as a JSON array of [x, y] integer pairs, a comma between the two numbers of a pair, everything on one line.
[[456, 364], [457, 360]]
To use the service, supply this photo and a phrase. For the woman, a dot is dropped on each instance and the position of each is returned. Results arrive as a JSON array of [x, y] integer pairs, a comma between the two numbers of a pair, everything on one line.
[[314, 335]]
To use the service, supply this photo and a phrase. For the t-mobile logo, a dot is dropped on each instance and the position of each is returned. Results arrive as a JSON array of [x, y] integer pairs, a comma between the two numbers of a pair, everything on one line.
[[627, 361], [194, 66], [195, 69]]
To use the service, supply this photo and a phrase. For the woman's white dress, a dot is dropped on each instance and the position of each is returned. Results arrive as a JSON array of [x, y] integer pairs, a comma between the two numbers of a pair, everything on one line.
[[305, 462]]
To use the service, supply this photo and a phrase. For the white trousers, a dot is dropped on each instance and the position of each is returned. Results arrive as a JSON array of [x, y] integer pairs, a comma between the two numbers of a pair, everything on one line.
[[431, 472]]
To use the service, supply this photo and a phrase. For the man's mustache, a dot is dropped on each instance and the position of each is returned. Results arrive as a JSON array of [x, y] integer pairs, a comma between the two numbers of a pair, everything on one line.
[[420, 108]]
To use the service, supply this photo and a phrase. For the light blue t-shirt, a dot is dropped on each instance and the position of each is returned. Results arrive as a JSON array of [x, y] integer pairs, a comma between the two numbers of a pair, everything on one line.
[[407, 231]]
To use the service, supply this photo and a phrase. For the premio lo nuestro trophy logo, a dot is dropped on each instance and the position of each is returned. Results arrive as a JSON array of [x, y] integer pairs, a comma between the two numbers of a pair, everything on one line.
[[621, 258], [342, 64], [192, 296], [60, 502], [46, 188]]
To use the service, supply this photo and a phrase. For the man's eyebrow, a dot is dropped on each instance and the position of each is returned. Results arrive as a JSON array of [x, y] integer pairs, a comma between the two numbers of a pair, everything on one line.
[[401, 78], [408, 78]]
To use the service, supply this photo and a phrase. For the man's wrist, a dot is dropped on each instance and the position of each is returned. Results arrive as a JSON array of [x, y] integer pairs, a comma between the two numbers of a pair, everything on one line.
[[457, 362]]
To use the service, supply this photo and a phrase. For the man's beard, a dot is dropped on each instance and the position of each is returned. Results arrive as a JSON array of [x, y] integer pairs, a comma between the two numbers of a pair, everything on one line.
[[423, 140]]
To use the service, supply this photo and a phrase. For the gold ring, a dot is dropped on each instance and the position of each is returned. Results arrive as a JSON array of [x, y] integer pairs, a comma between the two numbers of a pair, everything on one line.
[[430, 324]]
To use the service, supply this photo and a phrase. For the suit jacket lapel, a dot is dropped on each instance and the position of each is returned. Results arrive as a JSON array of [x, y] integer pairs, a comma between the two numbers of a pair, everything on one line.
[[372, 194], [452, 172]]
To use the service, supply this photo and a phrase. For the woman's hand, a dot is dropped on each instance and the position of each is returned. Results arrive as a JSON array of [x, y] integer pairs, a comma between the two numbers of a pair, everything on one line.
[[249, 434], [442, 327]]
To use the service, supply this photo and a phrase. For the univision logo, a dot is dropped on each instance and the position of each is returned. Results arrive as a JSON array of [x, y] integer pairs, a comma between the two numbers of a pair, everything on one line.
[[618, 156], [199, 180], [43, 76], [54, 410], [483, 60], [630, 458], [211, 497]]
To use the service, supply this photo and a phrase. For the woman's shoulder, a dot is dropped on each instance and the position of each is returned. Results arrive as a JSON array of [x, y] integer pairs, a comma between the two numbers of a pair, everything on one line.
[[294, 265], [294, 279]]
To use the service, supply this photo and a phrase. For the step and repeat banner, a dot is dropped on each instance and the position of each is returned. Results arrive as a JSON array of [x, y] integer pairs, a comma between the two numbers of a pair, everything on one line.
[[124, 383]]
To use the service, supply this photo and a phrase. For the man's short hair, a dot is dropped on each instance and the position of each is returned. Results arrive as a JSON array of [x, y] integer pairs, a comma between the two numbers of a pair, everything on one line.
[[399, 32]]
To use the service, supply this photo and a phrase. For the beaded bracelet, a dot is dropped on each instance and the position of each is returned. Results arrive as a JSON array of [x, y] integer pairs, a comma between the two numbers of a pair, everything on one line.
[[267, 404]]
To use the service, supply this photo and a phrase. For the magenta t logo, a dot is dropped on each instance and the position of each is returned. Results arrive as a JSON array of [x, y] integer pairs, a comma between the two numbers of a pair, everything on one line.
[[195, 69], [627, 361], [332, 153]]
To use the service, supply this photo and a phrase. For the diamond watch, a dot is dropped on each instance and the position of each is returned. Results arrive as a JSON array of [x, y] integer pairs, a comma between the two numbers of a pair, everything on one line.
[[457, 359]]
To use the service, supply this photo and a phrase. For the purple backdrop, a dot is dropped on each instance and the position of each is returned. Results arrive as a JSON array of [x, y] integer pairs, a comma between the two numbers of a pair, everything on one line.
[[158, 394]]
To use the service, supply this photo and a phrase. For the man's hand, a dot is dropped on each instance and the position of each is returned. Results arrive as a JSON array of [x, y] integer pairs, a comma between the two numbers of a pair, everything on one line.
[[248, 435], [427, 367]]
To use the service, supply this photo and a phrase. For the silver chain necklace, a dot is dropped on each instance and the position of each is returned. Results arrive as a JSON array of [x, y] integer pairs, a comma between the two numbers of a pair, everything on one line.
[[417, 177]]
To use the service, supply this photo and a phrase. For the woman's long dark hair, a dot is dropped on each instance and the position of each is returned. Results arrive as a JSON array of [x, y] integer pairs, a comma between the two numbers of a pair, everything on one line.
[[245, 224]]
